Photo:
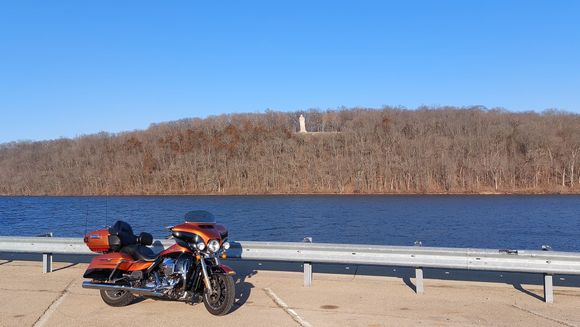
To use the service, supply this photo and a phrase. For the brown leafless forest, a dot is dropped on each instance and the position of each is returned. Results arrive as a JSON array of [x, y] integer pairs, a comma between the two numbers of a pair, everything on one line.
[[391, 150]]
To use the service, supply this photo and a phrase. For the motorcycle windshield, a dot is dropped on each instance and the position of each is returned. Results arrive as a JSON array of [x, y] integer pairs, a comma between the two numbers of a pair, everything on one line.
[[199, 216]]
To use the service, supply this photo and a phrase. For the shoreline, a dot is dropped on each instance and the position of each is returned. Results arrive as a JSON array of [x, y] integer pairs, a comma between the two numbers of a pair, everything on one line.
[[575, 193]]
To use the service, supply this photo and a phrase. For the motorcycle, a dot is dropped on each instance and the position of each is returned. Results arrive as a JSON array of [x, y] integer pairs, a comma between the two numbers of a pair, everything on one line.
[[189, 270]]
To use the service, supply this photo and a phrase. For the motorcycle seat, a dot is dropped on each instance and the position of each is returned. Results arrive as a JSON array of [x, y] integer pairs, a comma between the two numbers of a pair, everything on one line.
[[139, 252]]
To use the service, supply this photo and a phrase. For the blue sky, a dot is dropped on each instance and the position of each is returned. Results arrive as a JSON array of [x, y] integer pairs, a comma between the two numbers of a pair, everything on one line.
[[79, 67]]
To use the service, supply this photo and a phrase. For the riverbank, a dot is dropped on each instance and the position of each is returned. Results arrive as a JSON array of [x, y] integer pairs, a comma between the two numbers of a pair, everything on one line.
[[574, 192]]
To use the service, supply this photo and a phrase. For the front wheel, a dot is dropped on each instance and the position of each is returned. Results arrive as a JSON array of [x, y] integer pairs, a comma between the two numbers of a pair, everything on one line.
[[220, 301]]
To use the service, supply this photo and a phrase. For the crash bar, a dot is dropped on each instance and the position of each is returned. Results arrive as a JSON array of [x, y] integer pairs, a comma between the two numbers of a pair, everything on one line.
[[548, 263]]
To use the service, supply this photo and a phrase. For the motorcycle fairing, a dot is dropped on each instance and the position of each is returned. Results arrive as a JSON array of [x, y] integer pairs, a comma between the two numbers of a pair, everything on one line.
[[207, 231]]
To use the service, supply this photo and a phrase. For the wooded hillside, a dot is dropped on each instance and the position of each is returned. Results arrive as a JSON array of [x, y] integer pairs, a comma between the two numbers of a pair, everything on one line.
[[389, 150]]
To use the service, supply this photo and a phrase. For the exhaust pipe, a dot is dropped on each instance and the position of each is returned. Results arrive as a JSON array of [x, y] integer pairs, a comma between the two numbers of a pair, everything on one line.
[[112, 287]]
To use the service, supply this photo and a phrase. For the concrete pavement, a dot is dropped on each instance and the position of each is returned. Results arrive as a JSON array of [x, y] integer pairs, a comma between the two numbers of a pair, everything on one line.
[[29, 298]]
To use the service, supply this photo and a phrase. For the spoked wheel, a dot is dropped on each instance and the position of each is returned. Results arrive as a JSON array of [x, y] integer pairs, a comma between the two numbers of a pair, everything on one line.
[[117, 298], [222, 298]]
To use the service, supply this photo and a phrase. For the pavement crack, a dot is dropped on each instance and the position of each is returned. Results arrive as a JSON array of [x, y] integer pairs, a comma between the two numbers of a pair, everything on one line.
[[286, 308], [41, 321], [543, 316]]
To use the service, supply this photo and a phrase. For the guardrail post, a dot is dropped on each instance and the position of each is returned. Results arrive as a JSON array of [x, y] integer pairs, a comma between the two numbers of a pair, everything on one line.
[[46, 257], [548, 288], [419, 274], [46, 262], [419, 280], [307, 267]]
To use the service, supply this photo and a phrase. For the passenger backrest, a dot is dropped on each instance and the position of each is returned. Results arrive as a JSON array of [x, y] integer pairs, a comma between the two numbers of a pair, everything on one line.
[[125, 233]]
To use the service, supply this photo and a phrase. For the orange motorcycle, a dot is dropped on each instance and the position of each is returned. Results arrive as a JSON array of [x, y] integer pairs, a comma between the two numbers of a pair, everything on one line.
[[189, 270]]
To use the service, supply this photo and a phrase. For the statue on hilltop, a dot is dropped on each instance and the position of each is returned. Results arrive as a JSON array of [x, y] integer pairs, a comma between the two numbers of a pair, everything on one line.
[[302, 124]]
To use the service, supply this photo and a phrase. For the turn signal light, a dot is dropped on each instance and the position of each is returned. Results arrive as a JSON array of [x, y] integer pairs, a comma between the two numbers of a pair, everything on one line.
[[198, 257], [224, 255]]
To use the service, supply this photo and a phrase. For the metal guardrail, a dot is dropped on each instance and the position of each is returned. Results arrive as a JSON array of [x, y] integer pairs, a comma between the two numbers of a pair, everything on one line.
[[547, 263]]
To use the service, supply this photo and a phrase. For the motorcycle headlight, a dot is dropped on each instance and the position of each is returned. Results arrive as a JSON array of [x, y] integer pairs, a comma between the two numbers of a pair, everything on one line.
[[213, 245], [200, 246], [226, 245]]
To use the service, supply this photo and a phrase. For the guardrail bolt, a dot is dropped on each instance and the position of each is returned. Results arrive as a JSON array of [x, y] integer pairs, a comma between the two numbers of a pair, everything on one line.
[[307, 267]]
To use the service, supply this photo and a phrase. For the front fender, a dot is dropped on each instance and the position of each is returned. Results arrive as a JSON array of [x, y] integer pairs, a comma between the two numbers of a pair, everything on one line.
[[222, 269]]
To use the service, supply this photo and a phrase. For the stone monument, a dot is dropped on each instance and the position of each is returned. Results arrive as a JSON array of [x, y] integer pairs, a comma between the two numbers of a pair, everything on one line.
[[302, 124]]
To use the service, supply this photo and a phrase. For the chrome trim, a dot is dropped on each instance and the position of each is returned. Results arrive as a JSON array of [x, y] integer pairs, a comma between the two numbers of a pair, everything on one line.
[[205, 275], [114, 270], [157, 280], [112, 287]]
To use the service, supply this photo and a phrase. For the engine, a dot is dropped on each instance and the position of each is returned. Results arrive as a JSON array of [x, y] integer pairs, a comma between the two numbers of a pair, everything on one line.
[[171, 277]]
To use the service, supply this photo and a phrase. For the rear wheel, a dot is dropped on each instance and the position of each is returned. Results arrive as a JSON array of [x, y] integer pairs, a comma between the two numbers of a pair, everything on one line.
[[117, 298], [220, 301]]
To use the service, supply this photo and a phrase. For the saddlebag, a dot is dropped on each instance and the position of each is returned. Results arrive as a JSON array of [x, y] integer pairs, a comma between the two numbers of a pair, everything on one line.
[[103, 266]]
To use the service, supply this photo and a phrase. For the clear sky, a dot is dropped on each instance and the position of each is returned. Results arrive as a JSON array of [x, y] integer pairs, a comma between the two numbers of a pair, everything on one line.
[[77, 67]]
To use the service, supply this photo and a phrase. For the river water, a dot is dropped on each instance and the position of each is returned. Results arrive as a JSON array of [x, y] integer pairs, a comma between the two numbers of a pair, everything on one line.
[[515, 222]]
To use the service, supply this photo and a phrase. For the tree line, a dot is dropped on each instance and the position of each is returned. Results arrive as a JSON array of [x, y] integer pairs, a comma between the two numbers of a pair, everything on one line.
[[360, 150]]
